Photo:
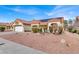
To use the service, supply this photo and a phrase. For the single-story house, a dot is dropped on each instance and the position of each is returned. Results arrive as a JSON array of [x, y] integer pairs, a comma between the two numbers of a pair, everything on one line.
[[7, 26], [49, 25], [45, 25]]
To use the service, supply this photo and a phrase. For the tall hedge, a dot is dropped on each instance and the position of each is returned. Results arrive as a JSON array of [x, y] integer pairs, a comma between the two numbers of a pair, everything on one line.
[[35, 30], [2, 29]]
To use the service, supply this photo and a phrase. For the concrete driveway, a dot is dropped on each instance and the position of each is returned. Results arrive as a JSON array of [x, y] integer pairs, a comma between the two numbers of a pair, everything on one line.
[[9, 47], [5, 33]]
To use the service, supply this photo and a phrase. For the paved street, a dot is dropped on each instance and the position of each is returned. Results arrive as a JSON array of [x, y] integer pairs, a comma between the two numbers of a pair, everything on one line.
[[8, 47]]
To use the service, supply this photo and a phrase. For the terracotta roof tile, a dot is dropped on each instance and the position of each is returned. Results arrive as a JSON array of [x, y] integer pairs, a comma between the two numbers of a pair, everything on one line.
[[6, 24], [59, 19], [43, 23], [35, 22], [23, 21]]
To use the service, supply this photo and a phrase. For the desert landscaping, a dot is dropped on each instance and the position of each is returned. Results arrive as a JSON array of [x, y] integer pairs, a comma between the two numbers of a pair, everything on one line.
[[44, 31], [47, 42]]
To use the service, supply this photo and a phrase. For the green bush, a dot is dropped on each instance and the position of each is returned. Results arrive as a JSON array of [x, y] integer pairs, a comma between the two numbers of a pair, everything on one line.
[[35, 30], [2, 29], [51, 29], [40, 30], [74, 31], [70, 29], [77, 31], [60, 30]]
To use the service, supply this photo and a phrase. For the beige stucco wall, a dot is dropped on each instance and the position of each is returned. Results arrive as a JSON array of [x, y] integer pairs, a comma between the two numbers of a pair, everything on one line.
[[27, 28], [35, 24]]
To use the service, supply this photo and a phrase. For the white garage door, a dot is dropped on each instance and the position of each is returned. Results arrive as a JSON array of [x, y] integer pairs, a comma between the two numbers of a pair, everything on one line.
[[19, 29]]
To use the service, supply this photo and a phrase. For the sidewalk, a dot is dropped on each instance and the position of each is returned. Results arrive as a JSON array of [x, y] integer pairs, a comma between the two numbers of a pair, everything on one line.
[[8, 47]]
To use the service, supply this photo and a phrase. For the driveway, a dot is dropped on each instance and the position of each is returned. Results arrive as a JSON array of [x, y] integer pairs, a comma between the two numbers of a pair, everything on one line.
[[5, 33], [9, 47]]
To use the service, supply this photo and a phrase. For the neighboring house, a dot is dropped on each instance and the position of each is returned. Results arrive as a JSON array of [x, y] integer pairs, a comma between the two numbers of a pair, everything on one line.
[[21, 25], [8, 26], [70, 23], [76, 23], [49, 25]]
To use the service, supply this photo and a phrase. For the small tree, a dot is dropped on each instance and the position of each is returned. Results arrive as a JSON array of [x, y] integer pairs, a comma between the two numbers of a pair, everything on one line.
[[60, 30], [77, 31], [2, 28], [65, 23], [70, 29]]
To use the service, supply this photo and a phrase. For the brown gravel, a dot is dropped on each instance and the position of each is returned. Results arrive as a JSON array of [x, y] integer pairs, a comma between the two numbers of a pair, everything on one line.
[[48, 42]]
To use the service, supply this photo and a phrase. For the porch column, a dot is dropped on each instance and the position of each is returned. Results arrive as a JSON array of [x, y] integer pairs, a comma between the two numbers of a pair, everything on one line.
[[13, 28], [63, 27], [53, 30], [48, 30], [42, 30]]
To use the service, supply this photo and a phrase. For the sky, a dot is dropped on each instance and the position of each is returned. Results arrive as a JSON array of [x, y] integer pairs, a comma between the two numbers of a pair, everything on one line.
[[9, 13]]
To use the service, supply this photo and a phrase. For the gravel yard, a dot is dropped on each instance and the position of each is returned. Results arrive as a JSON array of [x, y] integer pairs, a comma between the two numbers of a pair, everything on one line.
[[47, 42]]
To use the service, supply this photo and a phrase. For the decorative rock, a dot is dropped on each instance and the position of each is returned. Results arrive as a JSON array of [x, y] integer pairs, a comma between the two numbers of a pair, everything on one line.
[[63, 41]]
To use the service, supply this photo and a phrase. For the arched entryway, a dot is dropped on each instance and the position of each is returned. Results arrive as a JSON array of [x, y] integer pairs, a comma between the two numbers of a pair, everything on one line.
[[53, 27]]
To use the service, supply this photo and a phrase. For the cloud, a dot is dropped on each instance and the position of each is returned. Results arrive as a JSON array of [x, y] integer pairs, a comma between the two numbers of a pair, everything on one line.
[[26, 11], [18, 9], [63, 11], [66, 11]]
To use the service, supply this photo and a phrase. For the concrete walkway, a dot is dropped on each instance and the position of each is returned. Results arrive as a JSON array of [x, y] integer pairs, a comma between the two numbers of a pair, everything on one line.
[[9, 47], [5, 33]]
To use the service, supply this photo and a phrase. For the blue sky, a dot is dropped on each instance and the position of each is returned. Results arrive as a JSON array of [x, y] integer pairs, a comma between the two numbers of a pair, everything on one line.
[[9, 13]]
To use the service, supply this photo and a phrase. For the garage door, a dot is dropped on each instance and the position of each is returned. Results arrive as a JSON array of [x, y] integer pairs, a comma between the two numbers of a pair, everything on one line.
[[19, 29]]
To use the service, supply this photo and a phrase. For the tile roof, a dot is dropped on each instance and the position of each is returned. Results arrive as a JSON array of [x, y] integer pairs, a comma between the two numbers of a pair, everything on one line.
[[43, 23], [58, 19], [35, 22], [6, 24], [24, 22]]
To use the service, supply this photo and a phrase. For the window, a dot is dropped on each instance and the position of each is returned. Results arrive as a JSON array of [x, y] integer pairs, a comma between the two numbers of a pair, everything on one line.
[[34, 26]]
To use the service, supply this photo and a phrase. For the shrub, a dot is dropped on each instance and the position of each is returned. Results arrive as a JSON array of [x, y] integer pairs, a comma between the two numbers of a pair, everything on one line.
[[70, 29], [77, 31], [60, 30], [35, 30], [2, 29], [40, 30], [51, 29], [74, 31]]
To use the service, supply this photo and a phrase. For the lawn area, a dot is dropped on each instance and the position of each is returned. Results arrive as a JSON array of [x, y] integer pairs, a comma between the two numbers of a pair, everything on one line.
[[47, 42]]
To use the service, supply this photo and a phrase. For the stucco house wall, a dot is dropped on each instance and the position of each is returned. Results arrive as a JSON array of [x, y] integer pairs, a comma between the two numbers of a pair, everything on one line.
[[27, 28]]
